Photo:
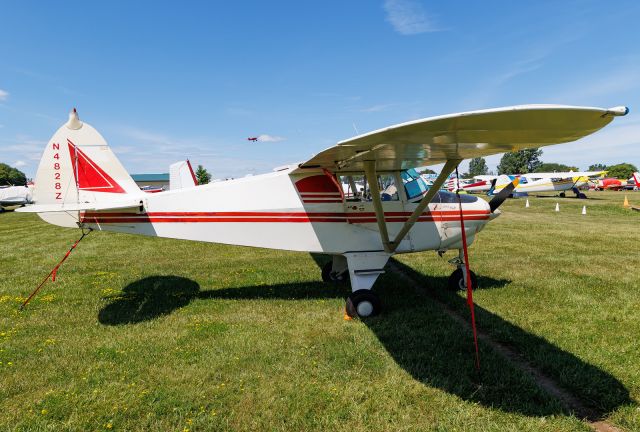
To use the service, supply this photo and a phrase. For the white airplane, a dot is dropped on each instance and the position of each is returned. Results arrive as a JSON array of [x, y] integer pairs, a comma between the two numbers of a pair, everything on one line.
[[547, 182], [11, 196], [302, 207], [479, 183]]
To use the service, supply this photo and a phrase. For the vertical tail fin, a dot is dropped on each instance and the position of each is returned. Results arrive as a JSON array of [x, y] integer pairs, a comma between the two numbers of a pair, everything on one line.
[[78, 166], [181, 175]]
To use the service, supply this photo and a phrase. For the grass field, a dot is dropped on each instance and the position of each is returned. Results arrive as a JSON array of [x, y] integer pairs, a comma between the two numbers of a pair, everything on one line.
[[153, 334]]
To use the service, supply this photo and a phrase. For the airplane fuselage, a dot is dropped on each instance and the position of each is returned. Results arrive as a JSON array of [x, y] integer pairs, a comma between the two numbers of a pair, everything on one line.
[[300, 212]]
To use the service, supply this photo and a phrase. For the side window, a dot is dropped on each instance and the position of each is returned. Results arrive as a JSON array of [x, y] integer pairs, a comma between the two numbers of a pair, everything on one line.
[[356, 189]]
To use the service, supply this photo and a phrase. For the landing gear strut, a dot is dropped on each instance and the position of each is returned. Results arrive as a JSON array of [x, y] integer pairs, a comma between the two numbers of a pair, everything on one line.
[[457, 279], [333, 277]]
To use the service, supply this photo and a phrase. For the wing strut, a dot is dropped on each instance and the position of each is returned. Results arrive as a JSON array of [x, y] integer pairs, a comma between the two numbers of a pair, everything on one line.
[[370, 172], [372, 179], [424, 202]]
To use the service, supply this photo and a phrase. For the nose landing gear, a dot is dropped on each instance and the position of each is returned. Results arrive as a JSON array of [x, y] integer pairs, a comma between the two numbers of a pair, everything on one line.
[[458, 279]]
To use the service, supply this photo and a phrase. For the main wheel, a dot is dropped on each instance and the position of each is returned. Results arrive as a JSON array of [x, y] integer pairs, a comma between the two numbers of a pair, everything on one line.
[[329, 276], [562, 195], [363, 303], [457, 282]]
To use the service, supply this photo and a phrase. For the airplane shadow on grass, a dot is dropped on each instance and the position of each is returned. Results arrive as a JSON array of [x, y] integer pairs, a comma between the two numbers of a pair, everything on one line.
[[425, 341]]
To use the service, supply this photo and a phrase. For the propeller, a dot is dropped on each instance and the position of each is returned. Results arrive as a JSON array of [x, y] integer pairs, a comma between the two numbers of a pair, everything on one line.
[[501, 196]]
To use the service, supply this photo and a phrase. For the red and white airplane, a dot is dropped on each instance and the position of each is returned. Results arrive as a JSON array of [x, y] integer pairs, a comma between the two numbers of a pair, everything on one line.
[[302, 207]]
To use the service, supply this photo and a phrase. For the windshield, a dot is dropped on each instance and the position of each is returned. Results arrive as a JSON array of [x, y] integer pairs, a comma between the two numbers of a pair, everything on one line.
[[414, 185]]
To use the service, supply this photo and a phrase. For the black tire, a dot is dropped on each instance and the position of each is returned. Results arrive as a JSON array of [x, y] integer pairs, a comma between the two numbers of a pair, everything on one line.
[[333, 278], [456, 281], [363, 304], [562, 195], [582, 196]]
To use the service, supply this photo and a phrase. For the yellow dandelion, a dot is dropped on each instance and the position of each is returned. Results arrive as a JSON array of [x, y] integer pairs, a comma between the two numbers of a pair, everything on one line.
[[108, 425], [44, 412], [189, 421]]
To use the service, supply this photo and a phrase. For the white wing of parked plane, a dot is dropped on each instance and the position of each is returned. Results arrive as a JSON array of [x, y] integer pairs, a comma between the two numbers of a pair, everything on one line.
[[566, 174], [465, 135]]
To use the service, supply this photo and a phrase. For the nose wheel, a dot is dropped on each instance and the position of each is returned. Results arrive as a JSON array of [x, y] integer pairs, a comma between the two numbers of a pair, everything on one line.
[[457, 281], [363, 303]]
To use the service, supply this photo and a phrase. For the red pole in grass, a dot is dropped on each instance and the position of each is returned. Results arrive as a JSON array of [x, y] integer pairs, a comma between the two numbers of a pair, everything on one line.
[[468, 281]]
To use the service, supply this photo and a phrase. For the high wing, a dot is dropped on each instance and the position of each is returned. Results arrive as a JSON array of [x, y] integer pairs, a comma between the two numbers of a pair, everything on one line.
[[465, 135]]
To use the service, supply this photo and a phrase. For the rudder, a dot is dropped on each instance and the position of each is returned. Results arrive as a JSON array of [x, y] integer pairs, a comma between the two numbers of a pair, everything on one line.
[[78, 166]]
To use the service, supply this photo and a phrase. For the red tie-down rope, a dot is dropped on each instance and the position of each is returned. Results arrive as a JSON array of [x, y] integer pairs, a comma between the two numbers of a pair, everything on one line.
[[468, 274], [53, 272]]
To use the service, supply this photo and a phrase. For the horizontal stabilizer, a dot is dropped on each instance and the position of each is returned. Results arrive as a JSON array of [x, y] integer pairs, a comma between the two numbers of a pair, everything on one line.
[[49, 208]]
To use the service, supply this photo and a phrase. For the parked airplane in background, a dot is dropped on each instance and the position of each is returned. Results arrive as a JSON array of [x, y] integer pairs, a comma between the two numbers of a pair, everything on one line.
[[547, 182], [181, 175], [479, 183], [12, 196], [608, 184], [302, 207], [636, 181]]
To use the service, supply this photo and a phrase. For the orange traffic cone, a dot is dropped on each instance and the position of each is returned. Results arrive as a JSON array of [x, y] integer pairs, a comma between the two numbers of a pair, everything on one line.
[[626, 202]]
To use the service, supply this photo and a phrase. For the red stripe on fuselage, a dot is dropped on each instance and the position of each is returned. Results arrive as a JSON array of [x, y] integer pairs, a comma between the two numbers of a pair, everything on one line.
[[258, 217]]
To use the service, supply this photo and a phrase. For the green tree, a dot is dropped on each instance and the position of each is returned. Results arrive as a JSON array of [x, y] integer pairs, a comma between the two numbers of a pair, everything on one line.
[[621, 171], [520, 162], [202, 175], [555, 167], [11, 176], [477, 166], [427, 171], [597, 167]]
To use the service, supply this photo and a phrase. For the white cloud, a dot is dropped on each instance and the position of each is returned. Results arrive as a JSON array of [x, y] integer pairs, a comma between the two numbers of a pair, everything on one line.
[[408, 17], [270, 138], [19, 164], [376, 108], [4, 95]]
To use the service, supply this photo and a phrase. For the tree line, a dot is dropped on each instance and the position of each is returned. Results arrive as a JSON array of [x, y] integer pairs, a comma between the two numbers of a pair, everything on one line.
[[11, 176], [528, 161]]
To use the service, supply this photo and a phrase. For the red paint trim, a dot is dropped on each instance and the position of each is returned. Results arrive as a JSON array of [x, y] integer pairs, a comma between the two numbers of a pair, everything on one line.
[[260, 217], [333, 178], [316, 183], [193, 176], [320, 195], [90, 176]]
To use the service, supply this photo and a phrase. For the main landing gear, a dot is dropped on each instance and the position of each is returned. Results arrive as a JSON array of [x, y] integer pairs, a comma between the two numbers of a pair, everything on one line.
[[458, 279], [363, 304], [362, 269]]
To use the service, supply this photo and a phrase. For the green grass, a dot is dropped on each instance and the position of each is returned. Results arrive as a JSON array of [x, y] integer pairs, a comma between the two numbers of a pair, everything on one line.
[[154, 334]]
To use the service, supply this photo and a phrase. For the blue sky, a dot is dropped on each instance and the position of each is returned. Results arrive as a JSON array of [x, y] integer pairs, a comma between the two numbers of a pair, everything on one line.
[[164, 81]]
